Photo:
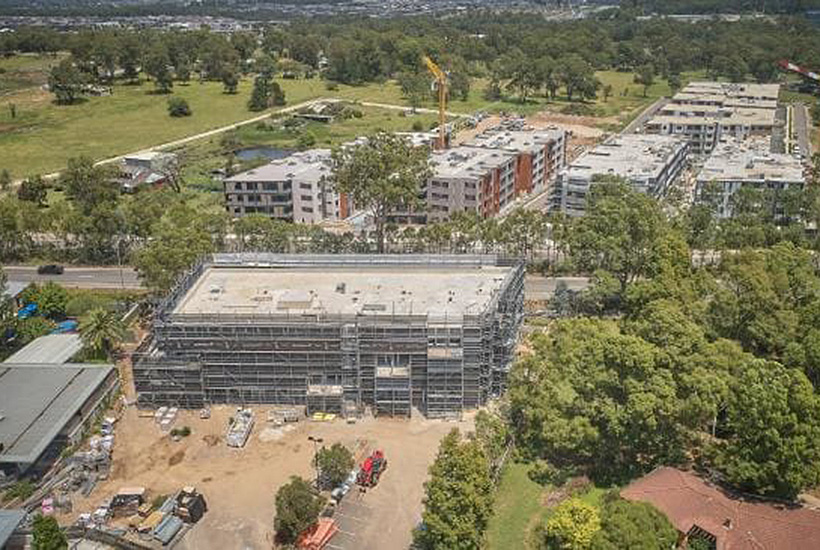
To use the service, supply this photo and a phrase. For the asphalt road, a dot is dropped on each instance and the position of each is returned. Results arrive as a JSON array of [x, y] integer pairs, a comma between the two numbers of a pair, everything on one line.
[[79, 277], [802, 128], [648, 113]]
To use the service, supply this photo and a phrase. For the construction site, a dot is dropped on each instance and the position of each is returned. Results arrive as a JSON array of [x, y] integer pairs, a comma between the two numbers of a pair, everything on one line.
[[343, 334]]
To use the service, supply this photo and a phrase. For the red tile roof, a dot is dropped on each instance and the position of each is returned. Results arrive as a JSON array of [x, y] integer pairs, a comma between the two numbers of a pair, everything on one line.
[[737, 524]]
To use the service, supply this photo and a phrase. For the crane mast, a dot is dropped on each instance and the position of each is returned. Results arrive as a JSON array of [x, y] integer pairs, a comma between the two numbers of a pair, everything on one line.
[[441, 80]]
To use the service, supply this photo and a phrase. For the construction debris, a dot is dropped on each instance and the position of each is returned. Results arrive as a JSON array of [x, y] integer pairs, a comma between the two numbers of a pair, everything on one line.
[[239, 428]]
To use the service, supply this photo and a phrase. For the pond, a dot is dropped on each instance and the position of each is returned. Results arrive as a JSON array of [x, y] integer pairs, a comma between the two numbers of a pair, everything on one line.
[[262, 152]]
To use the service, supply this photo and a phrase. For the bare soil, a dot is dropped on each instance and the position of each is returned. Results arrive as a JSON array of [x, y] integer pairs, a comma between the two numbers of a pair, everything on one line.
[[239, 484]]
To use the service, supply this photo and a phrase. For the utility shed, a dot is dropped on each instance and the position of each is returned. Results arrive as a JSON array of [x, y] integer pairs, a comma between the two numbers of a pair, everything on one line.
[[51, 349], [391, 332], [44, 407]]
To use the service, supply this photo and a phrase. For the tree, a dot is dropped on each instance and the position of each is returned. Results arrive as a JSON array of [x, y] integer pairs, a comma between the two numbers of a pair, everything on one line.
[[183, 69], [34, 190], [51, 299], [297, 508], [101, 331], [549, 75], [382, 175], [230, 80], [634, 525], [47, 534], [179, 239], [66, 82], [5, 180], [260, 95], [334, 464], [277, 95], [458, 501], [592, 397], [645, 77], [607, 92], [89, 186], [572, 525], [158, 67], [675, 83], [773, 425], [415, 87], [178, 107], [578, 77]]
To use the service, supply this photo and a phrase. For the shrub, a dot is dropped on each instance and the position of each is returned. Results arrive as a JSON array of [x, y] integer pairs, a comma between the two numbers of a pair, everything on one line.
[[331, 85], [178, 107], [418, 126], [23, 489]]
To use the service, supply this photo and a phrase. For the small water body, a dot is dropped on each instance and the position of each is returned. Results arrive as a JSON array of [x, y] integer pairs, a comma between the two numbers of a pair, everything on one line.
[[270, 153]]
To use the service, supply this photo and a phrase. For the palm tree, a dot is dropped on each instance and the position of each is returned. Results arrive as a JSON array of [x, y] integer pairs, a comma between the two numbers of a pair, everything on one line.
[[101, 331]]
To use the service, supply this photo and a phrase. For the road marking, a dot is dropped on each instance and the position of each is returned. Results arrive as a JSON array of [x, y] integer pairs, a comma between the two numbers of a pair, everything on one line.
[[348, 533]]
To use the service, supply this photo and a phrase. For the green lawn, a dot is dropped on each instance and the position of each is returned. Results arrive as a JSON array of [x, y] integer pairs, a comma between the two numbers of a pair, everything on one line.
[[200, 157], [24, 71], [519, 509]]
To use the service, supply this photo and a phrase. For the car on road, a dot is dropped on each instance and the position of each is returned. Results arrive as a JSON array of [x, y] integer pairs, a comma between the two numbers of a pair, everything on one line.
[[50, 269]]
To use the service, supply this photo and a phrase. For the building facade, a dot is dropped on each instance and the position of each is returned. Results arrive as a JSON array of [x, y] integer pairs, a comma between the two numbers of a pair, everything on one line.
[[391, 333], [735, 164], [703, 113], [649, 163], [296, 188]]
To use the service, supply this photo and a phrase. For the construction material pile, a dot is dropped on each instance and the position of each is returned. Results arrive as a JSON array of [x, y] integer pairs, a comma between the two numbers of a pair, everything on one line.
[[318, 535], [240, 428]]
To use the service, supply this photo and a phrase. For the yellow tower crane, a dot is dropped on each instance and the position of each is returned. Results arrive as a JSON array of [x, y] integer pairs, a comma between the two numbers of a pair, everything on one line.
[[441, 80]]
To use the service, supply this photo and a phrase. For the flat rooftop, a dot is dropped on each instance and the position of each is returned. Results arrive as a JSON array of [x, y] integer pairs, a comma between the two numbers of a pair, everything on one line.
[[348, 290], [37, 401], [750, 161], [310, 165], [468, 162], [517, 141], [633, 156]]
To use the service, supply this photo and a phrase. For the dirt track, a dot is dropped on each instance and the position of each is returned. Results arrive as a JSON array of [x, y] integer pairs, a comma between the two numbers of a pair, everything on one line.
[[239, 485]]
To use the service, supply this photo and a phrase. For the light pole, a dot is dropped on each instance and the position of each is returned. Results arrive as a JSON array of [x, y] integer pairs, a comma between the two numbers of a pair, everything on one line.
[[316, 442]]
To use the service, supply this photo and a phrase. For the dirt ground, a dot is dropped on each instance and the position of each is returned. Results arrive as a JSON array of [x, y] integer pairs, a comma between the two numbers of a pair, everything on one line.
[[239, 484]]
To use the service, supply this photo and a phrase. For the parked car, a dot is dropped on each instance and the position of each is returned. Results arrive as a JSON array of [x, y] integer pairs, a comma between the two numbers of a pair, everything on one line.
[[50, 269]]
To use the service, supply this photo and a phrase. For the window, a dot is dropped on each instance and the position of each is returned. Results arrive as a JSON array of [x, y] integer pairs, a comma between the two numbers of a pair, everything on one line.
[[237, 186], [304, 186], [307, 198], [271, 187], [308, 209]]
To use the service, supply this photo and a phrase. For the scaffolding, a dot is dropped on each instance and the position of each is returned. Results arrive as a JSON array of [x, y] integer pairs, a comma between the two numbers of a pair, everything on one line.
[[439, 364]]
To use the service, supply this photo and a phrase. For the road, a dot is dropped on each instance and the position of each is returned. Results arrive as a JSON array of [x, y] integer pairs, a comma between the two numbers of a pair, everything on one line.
[[648, 113], [79, 277], [802, 128]]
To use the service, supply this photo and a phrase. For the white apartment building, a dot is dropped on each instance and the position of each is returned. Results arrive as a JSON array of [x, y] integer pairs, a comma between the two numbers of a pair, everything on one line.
[[650, 163], [296, 188], [705, 112], [735, 164]]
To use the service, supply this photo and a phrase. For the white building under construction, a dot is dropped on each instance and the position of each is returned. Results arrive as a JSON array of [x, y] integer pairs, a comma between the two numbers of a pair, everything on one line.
[[392, 333]]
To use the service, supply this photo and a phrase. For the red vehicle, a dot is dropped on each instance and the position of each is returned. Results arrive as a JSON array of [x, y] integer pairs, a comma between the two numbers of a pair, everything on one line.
[[372, 469]]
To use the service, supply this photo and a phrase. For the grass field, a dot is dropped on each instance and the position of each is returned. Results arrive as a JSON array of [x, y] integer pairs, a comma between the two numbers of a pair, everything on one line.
[[24, 71], [519, 509], [43, 135], [200, 157]]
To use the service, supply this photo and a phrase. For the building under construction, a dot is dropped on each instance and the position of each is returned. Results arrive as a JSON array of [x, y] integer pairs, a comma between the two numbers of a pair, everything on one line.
[[333, 332]]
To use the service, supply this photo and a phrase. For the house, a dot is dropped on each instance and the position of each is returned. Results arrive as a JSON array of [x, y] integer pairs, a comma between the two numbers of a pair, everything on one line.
[[699, 508], [149, 169]]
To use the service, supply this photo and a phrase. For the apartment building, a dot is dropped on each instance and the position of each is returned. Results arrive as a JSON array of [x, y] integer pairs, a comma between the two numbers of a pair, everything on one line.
[[468, 179], [296, 188], [541, 154], [735, 164], [650, 163], [706, 112]]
